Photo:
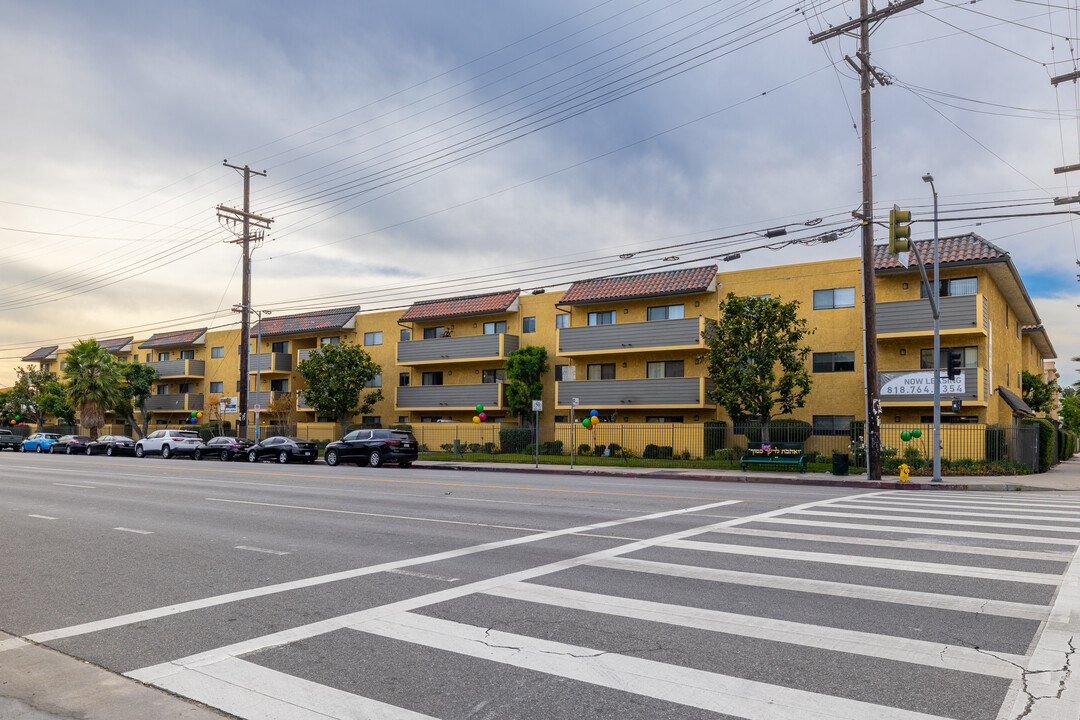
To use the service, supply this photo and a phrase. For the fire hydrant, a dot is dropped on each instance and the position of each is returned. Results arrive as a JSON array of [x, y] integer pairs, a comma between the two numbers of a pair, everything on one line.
[[905, 471]]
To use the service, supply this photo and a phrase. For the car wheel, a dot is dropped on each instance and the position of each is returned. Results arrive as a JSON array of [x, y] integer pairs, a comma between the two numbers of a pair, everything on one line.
[[88, 450], [332, 458], [166, 452], [405, 465], [109, 452], [197, 455], [139, 452], [283, 457], [40, 449], [224, 456], [374, 459], [252, 456], [67, 450], [22, 448]]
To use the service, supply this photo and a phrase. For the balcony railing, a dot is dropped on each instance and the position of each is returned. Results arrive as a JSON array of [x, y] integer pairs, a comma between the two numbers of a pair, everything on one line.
[[456, 349], [183, 402], [686, 392], [263, 399], [632, 337], [270, 362], [180, 368], [449, 397], [963, 312], [301, 402], [917, 386]]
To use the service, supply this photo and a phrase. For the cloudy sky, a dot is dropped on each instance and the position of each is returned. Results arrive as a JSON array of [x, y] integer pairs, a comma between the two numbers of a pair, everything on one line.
[[427, 148]]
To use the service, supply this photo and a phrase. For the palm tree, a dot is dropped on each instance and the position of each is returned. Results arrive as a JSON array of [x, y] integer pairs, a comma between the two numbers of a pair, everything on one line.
[[94, 383]]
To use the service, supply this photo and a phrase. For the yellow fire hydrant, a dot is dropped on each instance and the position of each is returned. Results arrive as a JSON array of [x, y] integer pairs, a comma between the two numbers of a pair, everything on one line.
[[905, 471]]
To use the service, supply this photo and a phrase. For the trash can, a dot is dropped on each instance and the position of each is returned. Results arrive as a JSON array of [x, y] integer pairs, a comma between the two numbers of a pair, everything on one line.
[[839, 464]]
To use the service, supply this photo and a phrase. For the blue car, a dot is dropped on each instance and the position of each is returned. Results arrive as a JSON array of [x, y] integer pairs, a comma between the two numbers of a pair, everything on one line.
[[39, 442]]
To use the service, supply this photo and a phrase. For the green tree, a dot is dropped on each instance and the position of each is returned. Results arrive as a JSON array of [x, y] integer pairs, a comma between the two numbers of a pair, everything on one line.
[[94, 382], [525, 369], [54, 403], [1070, 412], [755, 358], [137, 387], [336, 376], [29, 395], [1037, 393]]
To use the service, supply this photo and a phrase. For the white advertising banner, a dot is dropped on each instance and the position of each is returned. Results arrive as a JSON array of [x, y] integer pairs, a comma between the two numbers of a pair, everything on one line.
[[230, 405], [919, 383]]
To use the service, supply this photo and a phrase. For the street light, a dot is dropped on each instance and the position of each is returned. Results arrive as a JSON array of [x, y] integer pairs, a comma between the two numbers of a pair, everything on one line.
[[928, 178], [258, 362]]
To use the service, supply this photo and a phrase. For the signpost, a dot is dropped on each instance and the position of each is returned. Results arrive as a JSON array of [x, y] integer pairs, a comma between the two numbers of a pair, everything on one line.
[[573, 422], [537, 406]]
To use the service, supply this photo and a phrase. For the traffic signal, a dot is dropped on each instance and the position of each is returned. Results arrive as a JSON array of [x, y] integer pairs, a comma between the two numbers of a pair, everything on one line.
[[952, 364], [899, 235]]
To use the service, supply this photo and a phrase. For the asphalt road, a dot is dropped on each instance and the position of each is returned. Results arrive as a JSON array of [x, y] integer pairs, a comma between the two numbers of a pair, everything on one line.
[[304, 591]]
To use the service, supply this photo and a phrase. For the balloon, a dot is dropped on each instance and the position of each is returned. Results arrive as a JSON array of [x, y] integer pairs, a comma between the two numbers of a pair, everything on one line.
[[476, 419], [199, 415], [595, 413], [593, 424], [916, 433], [479, 408], [18, 417], [905, 436], [483, 416], [586, 422]]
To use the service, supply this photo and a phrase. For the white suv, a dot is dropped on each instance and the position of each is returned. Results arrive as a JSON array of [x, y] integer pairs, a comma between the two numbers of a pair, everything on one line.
[[168, 443]]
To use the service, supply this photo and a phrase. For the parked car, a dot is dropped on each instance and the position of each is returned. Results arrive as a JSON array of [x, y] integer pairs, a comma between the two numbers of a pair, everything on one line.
[[373, 448], [283, 449], [111, 445], [9, 440], [223, 448], [39, 442], [168, 443], [69, 444]]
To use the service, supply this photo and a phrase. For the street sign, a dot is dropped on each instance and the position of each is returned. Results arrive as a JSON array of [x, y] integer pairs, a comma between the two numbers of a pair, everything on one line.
[[573, 402], [257, 408], [538, 406]]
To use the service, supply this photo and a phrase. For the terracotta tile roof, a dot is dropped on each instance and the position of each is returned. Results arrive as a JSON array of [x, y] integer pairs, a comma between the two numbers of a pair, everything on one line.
[[116, 345], [334, 319], [625, 287], [1041, 338], [487, 304], [42, 353], [969, 248], [173, 339]]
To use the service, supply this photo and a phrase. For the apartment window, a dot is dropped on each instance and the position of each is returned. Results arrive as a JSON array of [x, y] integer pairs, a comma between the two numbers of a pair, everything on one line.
[[281, 385], [403, 379], [952, 419], [663, 369], [832, 424], [602, 371], [494, 328], [562, 320], [528, 325], [834, 298], [217, 352], [493, 375], [430, 418], [373, 338], [217, 387], [333, 340], [184, 388], [604, 317], [1006, 317], [834, 361], [434, 332], [433, 378], [563, 372], [371, 419], [375, 382], [406, 334], [187, 354], [161, 357], [238, 389], [665, 312], [403, 418], [969, 357], [663, 418], [148, 357], [957, 286], [162, 389], [1008, 375], [282, 346]]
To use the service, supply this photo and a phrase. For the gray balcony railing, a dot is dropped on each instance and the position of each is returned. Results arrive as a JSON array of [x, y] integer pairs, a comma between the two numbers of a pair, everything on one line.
[[912, 316], [270, 362], [263, 399], [631, 337], [183, 402], [448, 349], [180, 368], [301, 402], [640, 392], [919, 386], [449, 397]]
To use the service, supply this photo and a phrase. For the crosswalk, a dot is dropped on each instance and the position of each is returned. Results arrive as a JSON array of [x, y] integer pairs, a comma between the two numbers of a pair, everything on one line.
[[884, 606]]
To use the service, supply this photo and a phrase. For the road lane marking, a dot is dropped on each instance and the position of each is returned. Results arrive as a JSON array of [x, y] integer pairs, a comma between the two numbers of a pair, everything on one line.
[[924, 531], [823, 637], [426, 576], [88, 487], [133, 530], [963, 513], [262, 550], [1011, 499], [947, 521], [882, 503], [137, 617], [43, 517], [725, 694]]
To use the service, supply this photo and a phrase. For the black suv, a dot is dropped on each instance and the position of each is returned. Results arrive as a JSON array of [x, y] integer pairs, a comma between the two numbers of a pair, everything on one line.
[[373, 448]]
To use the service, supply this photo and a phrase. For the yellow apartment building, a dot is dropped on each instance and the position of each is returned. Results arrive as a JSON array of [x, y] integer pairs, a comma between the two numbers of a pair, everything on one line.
[[630, 346]]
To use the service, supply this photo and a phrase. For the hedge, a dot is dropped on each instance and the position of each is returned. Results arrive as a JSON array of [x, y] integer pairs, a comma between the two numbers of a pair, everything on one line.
[[515, 439], [1047, 436], [782, 430]]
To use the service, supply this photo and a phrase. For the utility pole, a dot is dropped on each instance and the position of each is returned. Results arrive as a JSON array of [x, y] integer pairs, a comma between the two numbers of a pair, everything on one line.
[[247, 219], [867, 74]]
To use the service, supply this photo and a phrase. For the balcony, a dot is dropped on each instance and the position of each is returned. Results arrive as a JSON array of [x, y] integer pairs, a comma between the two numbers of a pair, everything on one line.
[[471, 348], [301, 403], [916, 387], [686, 392], [183, 402], [263, 399], [270, 363], [180, 368], [960, 314], [682, 334], [449, 397]]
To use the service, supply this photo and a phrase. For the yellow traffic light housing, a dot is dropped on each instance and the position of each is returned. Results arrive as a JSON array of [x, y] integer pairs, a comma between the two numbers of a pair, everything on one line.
[[899, 235]]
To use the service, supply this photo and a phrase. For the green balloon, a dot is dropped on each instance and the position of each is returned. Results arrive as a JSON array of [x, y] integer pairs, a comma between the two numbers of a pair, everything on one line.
[[479, 408], [916, 433], [905, 436]]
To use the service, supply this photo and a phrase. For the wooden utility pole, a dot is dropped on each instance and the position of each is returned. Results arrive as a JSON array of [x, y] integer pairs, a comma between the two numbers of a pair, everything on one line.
[[248, 219], [867, 74]]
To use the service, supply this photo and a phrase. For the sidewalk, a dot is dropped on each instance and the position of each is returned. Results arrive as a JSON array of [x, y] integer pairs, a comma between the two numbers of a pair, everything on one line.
[[1062, 477]]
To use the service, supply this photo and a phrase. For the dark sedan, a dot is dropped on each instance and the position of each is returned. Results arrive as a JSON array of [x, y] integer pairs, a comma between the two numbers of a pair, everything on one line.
[[111, 445], [283, 449], [223, 448], [373, 448], [69, 444]]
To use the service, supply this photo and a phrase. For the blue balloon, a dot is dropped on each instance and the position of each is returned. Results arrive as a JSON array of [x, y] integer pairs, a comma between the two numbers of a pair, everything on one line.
[[595, 413]]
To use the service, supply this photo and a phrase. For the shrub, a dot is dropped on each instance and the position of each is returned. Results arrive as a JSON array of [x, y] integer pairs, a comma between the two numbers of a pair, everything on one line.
[[475, 447], [423, 448], [657, 452], [614, 448], [401, 426], [912, 454], [627, 453], [714, 432], [515, 439], [725, 454], [530, 449], [551, 447], [1047, 434], [584, 449], [685, 455], [491, 448], [447, 447], [598, 450], [781, 430]]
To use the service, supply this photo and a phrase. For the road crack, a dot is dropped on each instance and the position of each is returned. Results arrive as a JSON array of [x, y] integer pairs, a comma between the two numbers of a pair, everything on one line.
[[1026, 674]]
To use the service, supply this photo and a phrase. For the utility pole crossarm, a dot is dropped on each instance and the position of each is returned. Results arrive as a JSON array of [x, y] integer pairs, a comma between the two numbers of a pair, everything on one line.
[[257, 220], [868, 17]]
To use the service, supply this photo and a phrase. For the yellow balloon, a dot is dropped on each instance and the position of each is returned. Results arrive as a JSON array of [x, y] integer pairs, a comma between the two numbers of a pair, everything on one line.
[[476, 419]]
